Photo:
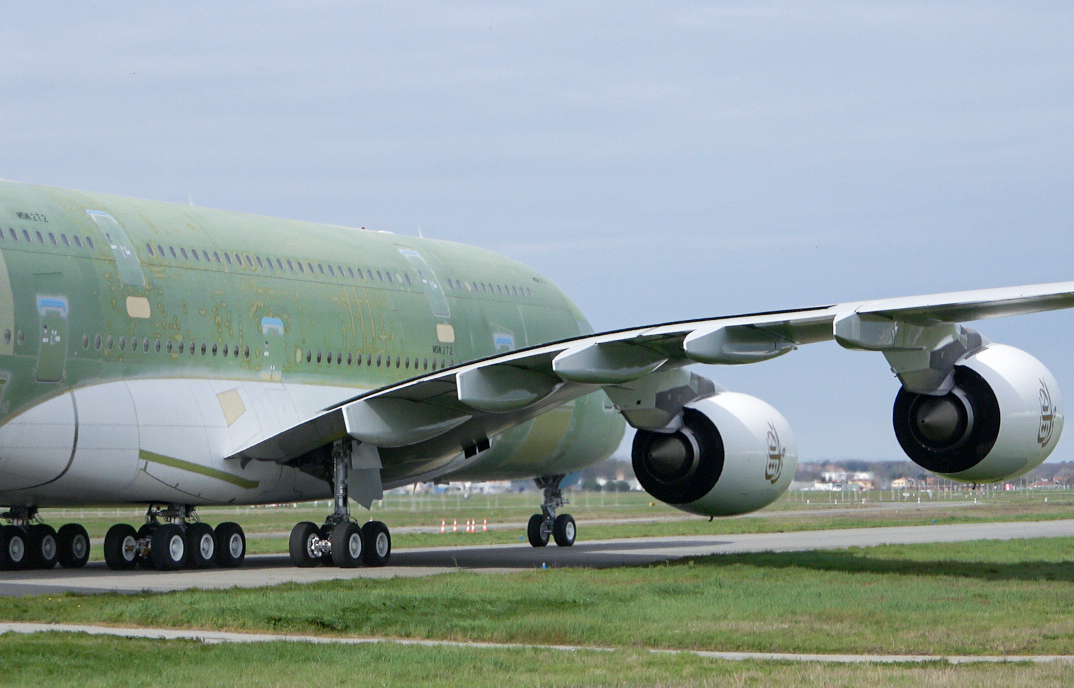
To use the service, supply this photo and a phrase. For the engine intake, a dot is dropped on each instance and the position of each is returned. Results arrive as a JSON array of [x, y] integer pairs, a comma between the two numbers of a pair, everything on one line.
[[734, 454], [1001, 420]]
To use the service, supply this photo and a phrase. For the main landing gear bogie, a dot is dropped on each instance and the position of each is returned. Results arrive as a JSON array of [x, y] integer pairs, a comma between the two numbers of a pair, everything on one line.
[[340, 541], [26, 544], [178, 542]]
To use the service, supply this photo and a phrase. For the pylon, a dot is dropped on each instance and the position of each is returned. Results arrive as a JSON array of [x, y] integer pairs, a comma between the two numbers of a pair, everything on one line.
[[455, 525], [485, 526], [443, 526]]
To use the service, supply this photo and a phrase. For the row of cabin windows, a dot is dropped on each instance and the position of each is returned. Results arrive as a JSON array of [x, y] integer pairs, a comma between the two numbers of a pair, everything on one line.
[[489, 288], [379, 361], [144, 344], [236, 259], [75, 240]]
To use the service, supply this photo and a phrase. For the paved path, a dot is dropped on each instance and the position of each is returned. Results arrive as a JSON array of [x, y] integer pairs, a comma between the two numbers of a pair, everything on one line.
[[274, 569], [222, 637]]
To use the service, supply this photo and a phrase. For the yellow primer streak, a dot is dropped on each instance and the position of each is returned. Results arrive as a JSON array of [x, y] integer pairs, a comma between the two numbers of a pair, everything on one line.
[[195, 468]]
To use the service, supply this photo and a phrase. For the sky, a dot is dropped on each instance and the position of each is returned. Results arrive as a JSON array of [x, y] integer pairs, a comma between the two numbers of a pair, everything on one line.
[[656, 160]]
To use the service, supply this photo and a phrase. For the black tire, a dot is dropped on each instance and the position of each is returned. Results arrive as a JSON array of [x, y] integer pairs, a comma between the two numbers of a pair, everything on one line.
[[168, 547], [74, 546], [121, 547], [347, 545], [14, 548], [536, 531], [230, 545], [200, 546], [41, 539], [564, 530], [378, 544], [301, 539]]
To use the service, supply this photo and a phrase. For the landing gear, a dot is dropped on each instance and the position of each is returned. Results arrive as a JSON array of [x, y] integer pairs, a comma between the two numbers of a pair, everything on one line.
[[172, 538], [547, 525], [30, 544], [340, 541]]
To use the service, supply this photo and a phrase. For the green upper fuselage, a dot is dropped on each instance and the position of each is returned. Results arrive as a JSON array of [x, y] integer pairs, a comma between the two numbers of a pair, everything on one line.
[[96, 287]]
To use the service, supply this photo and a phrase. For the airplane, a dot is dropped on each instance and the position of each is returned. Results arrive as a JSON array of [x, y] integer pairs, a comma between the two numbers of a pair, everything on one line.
[[175, 357]]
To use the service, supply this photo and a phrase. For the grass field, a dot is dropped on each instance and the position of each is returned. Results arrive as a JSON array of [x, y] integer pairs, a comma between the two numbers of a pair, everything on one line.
[[978, 598]]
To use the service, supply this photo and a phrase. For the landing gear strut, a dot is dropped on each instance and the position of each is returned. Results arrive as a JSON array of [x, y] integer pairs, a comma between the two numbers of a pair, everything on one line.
[[172, 538], [547, 525], [340, 541]]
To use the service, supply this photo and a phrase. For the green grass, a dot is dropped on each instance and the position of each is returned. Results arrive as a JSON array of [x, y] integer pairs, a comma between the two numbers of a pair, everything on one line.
[[967, 598], [89, 662]]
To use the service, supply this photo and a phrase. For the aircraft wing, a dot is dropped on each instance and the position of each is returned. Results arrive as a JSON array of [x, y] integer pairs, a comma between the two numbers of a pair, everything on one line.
[[457, 410]]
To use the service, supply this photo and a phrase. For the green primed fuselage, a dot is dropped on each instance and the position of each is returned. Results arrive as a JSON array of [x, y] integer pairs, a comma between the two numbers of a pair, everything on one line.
[[98, 292]]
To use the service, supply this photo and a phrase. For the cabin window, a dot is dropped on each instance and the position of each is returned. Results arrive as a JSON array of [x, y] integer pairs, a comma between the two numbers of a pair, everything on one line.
[[214, 349], [321, 268], [145, 345], [149, 247], [26, 235], [226, 351], [52, 238], [249, 263], [182, 346], [227, 257], [107, 343], [260, 264], [246, 352], [89, 242], [301, 270], [368, 360], [194, 252], [122, 343], [85, 339], [97, 342], [350, 359], [183, 251], [378, 361], [309, 356], [65, 240], [170, 346], [40, 239], [14, 234], [205, 254], [171, 250], [156, 345]]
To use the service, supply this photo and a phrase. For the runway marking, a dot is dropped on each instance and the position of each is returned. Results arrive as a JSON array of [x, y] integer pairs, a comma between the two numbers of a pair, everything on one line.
[[216, 637]]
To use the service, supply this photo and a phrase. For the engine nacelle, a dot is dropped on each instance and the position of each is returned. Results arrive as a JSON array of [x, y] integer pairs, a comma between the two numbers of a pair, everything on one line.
[[734, 454], [1002, 419]]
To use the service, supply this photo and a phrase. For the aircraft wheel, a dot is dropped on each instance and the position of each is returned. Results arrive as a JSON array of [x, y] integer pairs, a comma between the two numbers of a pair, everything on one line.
[[564, 530], [74, 546], [378, 544], [536, 531], [13, 548], [301, 545], [347, 545], [121, 547], [201, 545], [168, 547], [43, 548], [230, 545]]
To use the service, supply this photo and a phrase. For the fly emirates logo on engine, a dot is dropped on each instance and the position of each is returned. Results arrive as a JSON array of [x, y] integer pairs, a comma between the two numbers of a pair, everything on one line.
[[1047, 416], [776, 454]]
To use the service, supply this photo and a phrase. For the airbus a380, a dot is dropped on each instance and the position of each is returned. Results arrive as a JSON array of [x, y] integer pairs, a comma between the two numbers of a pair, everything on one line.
[[174, 356]]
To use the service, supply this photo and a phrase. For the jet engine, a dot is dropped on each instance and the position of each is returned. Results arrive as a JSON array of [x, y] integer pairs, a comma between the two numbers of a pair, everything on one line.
[[1002, 418], [733, 454]]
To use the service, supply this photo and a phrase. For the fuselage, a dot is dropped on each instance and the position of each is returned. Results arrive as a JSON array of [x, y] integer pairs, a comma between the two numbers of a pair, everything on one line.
[[141, 343]]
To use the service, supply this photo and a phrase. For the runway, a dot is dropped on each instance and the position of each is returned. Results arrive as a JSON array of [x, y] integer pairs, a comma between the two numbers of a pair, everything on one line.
[[264, 570]]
